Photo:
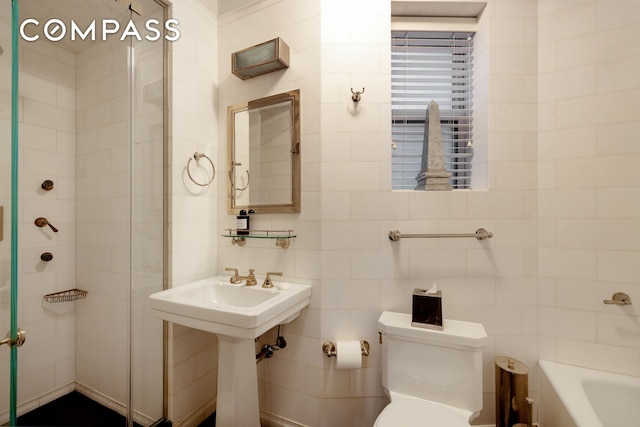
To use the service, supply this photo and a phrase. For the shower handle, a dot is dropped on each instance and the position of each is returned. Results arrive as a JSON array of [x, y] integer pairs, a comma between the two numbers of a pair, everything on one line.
[[43, 222], [21, 337]]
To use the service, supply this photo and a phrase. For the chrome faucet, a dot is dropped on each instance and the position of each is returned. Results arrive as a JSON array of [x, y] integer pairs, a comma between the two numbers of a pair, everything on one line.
[[267, 281], [251, 278]]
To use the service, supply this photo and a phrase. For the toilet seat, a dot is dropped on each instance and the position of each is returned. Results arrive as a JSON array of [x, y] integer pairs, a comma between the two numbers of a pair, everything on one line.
[[419, 413]]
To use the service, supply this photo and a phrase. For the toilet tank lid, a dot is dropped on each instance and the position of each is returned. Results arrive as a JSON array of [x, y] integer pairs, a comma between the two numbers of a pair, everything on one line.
[[456, 333]]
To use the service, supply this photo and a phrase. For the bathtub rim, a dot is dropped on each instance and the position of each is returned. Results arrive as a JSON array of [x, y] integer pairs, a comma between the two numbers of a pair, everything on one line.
[[567, 381]]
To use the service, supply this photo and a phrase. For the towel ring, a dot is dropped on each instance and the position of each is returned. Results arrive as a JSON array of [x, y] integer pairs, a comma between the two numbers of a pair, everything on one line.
[[197, 156], [245, 185]]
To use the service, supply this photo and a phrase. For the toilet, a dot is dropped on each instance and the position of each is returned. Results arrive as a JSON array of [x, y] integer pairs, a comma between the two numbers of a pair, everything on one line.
[[433, 378]]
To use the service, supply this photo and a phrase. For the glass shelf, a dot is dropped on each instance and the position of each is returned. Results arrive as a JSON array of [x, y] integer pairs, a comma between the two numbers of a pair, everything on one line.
[[281, 236]]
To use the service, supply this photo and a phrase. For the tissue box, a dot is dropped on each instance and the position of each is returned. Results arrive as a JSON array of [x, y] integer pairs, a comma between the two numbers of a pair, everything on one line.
[[427, 309]]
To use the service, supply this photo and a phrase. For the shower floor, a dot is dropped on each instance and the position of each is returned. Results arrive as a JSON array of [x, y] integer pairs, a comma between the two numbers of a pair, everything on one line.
[[209, 422], [73, 409]]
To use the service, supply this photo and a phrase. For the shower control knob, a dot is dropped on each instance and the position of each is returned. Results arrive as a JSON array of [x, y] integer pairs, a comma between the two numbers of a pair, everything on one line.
[[47, 256], [43, 222], [47, 185]]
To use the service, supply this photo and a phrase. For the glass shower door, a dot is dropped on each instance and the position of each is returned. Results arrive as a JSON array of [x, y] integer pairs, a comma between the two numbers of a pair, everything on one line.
[[125, 366], [5, 200], [8, 210], [147, 79]]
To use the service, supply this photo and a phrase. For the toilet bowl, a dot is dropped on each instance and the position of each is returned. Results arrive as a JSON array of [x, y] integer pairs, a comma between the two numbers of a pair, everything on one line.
[[433, 378], [410, 412]]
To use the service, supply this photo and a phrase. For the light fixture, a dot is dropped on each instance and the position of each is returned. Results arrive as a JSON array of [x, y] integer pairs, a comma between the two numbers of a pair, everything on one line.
[[260, 59]]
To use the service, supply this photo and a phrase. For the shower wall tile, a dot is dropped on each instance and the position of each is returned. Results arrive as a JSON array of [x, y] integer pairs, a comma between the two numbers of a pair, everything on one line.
[[37, 64], [38, 89], [589, 250], [599, 356], [47, 151], [49, 116]]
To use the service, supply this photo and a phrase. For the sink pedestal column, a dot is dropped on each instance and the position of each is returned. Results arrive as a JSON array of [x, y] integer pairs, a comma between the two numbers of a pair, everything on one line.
[[237, 403]]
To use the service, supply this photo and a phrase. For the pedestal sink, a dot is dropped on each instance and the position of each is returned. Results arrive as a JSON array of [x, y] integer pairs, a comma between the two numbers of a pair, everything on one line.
[[237, 314]]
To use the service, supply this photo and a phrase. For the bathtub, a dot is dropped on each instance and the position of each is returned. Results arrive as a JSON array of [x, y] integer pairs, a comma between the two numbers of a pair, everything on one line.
[[578, 397]]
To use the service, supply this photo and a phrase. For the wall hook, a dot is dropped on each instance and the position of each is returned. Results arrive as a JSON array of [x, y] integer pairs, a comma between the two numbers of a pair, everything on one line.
[[355, 97]]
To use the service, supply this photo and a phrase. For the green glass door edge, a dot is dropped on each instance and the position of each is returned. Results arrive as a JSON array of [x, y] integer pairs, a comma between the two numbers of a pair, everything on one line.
[[13, 375]]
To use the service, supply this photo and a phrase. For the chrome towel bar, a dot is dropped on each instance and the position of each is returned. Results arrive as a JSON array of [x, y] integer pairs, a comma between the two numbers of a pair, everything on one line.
[[480, 234]]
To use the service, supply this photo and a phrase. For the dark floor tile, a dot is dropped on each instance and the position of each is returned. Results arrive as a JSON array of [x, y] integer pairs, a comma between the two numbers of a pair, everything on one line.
[[209, 422], [72, 410]]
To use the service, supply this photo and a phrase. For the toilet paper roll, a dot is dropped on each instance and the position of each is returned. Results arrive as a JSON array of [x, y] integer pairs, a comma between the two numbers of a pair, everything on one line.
[[348, 355]]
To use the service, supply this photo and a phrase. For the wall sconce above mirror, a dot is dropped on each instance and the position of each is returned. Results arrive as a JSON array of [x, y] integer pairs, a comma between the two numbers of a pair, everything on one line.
[[264, 154], [263, 58]]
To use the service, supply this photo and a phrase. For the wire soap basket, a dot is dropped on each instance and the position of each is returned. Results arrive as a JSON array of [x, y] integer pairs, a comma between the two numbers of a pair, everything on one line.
[[65, 296]]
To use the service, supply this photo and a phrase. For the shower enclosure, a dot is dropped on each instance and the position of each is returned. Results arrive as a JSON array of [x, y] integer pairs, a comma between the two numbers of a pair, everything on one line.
[[82, 242]]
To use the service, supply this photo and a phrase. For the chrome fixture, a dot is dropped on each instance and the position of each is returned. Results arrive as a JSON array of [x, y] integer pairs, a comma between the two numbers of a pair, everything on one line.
[[43, 222], [244, 185], [356, 95], [514, 407], [197, 156], [267, 350], [268, 283], [329, 348], [619, 298], [21, 337], [132, 5], [240, 241], [251, 278], [263, 58], [282, 243], [480, 234], [46, 257], [47, 185], [65, 296]]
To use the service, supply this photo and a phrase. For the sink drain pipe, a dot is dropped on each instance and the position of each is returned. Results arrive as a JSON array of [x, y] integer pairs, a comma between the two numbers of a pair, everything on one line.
[[266, 352]]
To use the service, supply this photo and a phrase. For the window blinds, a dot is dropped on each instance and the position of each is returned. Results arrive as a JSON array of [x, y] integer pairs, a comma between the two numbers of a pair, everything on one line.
[[426, 66]]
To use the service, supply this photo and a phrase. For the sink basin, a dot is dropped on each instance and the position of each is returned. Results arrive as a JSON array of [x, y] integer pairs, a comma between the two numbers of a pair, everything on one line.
[[215, 305]]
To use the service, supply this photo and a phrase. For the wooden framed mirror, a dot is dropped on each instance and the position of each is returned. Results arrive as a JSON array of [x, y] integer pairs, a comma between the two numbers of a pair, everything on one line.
[[263, 137]]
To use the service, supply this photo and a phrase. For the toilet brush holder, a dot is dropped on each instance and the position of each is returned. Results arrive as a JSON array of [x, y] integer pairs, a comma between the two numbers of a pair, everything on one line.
[[514, 408]]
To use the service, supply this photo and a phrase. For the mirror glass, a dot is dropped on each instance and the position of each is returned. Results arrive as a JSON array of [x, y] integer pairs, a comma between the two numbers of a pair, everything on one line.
[[264, 154]]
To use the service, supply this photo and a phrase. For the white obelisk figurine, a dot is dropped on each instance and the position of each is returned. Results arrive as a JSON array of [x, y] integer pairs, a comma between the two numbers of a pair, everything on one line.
[[434, 176]]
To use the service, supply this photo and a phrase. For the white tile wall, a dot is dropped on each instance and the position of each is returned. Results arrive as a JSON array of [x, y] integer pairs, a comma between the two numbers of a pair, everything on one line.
[[192, 357], [346, 158], [588, 249], [492, 286], [542, 175], [554, 152]]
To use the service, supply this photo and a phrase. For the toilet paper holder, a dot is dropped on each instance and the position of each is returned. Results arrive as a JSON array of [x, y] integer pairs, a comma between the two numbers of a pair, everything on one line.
[[329, 348]]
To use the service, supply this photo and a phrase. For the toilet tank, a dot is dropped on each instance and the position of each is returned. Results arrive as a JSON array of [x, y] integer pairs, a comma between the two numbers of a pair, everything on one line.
[[440, 366]]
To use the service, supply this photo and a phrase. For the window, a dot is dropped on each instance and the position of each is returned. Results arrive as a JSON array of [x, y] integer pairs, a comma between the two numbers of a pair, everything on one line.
[[426, 66]]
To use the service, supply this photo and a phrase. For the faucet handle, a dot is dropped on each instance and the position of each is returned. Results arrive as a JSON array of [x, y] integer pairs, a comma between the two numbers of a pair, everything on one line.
[[234, 278], [43, 222], [268, 283]]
